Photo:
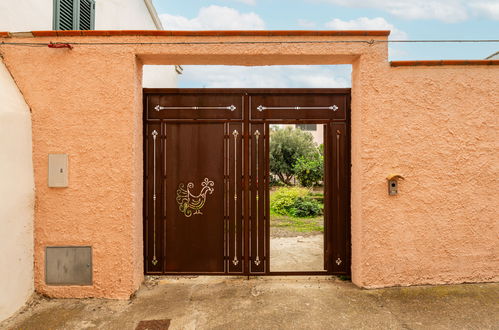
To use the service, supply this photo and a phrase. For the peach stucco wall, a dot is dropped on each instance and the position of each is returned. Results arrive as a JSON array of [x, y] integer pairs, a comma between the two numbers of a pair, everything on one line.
[[433, 125], [436, 126], [90, 109]]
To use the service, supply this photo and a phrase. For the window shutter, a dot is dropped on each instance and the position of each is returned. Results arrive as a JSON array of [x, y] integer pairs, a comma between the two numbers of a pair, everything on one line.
[[74, 14], [64, 14], [86, 15]]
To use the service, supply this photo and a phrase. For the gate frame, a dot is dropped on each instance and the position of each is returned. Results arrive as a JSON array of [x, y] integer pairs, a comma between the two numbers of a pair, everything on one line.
[[246, 122]]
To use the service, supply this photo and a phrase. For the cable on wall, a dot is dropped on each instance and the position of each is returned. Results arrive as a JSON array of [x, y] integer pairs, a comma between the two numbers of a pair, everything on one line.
[[369, 42]]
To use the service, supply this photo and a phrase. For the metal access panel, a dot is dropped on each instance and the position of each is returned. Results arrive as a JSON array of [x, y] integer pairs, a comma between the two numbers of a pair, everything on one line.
[[68, 265], [58, 171]]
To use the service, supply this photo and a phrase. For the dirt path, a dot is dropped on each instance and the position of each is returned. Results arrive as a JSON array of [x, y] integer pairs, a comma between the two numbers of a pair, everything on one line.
[[297, 253]]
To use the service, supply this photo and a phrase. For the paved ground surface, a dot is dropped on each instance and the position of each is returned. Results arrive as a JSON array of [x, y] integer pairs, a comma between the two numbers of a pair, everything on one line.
[[297, 253], [273, 303]]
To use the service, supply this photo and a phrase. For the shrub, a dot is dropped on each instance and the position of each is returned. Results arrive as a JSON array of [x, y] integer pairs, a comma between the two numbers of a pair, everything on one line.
[[283, 199], [305, 206], [310, 170], [294, 202]]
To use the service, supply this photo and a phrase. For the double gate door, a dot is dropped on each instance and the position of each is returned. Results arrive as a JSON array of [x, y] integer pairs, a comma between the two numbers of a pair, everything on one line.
[[206, 177]]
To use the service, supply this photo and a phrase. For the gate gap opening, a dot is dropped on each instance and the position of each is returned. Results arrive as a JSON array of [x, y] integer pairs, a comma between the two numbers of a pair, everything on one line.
[[297, 193], [272, 76]]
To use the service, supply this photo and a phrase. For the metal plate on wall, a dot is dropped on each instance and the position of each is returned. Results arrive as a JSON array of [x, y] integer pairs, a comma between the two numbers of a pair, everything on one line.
[[68, 265]]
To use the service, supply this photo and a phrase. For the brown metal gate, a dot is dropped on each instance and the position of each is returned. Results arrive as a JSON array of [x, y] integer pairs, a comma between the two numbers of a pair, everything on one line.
[[206, 203]]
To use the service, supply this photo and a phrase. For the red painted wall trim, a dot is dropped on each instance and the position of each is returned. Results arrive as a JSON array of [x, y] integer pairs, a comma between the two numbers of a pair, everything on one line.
[[444, 62], [350, 33]]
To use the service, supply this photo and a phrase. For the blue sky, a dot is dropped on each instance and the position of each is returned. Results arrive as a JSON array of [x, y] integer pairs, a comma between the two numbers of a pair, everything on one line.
[[408, 20]]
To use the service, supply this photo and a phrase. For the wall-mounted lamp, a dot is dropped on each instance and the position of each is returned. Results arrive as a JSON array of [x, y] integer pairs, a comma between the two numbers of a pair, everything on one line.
[[393, 183]]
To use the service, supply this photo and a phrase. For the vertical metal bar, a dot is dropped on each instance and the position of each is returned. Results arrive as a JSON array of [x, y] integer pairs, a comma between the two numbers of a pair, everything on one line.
[[154, 136], [247, 171], [266, 199], [338, 260], [162, 145], [235, 261], [226, 196], [338, 136], [257, 135]]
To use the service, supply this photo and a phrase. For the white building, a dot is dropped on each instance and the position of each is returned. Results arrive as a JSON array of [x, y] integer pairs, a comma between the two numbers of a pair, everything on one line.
[[17, 188], [317, 130], [42, 15]]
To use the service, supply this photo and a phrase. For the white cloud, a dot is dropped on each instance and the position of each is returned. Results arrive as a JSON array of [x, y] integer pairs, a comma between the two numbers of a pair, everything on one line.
[[295, 76], [365, 23], [444, 10], [377, 23], [486, 8], [214, 18]]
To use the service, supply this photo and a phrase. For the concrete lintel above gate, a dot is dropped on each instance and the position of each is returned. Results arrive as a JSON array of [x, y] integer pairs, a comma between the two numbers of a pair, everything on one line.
[[249, 48], [247, 59]]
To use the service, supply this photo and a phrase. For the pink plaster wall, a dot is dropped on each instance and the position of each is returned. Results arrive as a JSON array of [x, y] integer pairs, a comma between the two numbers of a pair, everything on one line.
[[88, 107], [436, 126], [433, 125]]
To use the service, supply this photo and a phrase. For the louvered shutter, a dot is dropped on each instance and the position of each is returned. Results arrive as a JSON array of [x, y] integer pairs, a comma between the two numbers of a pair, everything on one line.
[[74, 14], [86, 15], [64, 17]]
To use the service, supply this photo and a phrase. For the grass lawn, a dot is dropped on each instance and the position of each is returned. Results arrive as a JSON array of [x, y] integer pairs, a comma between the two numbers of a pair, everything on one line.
[[298, 225]]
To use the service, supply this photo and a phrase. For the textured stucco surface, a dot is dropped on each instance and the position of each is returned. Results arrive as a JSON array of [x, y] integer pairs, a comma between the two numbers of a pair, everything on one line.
[[435, 126], [90, 109], [17, 197]]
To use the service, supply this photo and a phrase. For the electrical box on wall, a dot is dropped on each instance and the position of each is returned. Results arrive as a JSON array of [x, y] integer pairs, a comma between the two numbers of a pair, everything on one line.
[[393, 183], [68, 265], [58, 170]]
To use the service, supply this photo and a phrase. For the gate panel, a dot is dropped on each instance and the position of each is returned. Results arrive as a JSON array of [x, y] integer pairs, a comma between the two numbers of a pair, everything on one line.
[[340, 263], [258, 192], [194, 197], [193, 105], [299, 105], [235, 198], [153, 211]]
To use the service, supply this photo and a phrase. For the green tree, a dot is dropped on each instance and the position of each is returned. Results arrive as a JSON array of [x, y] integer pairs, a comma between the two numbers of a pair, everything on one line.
[[310, 170], [287, 145]]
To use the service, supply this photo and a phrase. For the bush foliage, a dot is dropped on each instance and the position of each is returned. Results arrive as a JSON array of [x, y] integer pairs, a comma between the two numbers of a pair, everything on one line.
[[295, 202], [287, 145], [310, 171]]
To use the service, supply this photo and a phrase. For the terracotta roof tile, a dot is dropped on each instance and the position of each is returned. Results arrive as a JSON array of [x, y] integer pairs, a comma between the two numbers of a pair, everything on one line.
[[44, 33], [69, 33], [333, 33], [444, 62]]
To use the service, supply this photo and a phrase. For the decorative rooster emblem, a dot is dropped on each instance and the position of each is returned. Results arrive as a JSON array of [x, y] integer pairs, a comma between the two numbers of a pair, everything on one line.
[[190, 204]]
